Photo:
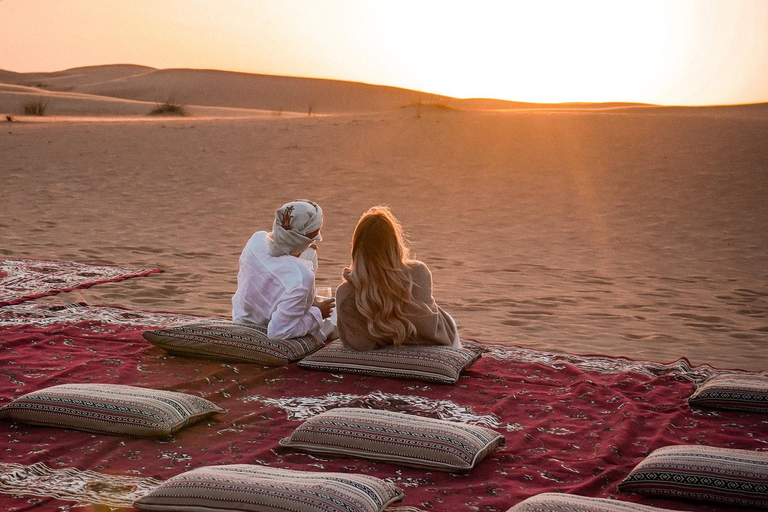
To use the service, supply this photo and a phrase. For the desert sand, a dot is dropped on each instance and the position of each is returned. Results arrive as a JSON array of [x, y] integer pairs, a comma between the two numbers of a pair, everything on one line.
[[626, 230]]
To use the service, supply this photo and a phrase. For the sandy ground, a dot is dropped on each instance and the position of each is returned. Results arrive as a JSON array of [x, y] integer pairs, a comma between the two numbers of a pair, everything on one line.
[[640, 232]]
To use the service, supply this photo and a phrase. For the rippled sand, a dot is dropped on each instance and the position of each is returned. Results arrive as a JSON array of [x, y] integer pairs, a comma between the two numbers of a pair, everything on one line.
[[640, 232]]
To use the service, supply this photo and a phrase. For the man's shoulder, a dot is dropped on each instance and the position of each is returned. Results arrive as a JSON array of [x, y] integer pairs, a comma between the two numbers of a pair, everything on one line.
[[257, 243], [259, 237]]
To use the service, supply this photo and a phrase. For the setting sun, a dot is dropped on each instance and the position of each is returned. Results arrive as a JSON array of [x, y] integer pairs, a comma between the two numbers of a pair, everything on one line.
[[652, 51], [613, 51]]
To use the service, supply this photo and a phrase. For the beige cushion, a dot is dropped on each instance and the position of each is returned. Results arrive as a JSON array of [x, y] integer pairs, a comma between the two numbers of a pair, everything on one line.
[[733, 391], [559, 502], [396, 437], [724, 475], [243, 487], [428, 363], [232, 341], [110, 409]]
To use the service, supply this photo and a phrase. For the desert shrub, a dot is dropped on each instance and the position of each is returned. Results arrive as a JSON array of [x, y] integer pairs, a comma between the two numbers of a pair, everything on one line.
[[169, 107], [438, 105], [443, 104], [35, 108]]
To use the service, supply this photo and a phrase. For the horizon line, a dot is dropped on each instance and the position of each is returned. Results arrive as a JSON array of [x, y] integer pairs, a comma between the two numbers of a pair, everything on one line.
[[627, 103]]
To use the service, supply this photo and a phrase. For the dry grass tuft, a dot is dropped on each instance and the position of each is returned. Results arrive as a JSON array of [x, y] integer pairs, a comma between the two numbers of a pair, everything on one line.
[[35, 108], [439, 105], [169, 108]]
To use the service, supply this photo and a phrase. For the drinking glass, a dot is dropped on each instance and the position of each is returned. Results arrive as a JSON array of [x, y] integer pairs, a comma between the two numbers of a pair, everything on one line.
[[323, 292]]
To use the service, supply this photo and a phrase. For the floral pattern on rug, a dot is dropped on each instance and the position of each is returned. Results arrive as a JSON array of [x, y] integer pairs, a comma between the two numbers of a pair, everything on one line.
[[25, 279], [85, 487], [45, 314], [71, 484], [600, 364]]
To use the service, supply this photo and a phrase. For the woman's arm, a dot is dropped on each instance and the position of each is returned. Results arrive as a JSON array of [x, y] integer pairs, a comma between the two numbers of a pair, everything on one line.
[[433, 325]]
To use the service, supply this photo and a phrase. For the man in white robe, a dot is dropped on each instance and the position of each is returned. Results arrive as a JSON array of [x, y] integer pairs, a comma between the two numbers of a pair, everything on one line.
[[276, 281]]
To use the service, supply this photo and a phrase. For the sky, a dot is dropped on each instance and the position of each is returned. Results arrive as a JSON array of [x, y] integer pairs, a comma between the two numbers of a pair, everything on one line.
[[671, 52]]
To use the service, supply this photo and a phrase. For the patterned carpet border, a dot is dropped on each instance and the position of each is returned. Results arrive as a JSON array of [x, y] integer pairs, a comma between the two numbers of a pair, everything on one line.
[[23, 279], [47, 314]]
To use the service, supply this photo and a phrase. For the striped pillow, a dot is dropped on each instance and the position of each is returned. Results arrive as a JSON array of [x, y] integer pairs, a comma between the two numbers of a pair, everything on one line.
[[232, 341], [110, 409], [559, 502], [738, 392], [243, 487], [428, 363], [724, 475], [397, 438]]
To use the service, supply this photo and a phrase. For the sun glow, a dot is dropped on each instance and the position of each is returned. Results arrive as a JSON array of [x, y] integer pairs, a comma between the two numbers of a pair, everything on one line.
[[653, 51], [539, 51]]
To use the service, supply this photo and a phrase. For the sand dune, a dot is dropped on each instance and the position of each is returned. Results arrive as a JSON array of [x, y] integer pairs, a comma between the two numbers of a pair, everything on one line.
[[617, 229], [220, 89], [81, 105], [94, 91], [211, 88], [71, 78]]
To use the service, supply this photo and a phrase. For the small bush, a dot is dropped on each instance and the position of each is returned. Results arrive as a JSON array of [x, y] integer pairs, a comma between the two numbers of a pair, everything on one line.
[[443, 104], [35, 108], [169, 107], [439, 105]]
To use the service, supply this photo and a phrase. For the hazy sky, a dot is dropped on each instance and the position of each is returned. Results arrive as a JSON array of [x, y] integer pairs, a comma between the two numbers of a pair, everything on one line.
[[688, 52]]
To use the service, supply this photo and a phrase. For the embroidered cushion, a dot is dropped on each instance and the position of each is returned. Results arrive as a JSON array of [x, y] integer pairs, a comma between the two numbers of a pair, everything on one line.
[[232, 341], [559, 502], [243, 487], [724, 475], [428, 363], [110, 409], [395, 437], [739, 392]]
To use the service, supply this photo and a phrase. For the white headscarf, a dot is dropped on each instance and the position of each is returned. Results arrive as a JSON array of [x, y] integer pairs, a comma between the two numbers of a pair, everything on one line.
[[292, 223]]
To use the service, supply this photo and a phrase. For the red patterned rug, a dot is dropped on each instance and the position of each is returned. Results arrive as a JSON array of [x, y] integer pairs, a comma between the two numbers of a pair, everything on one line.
[[24, 279], [575, 424]]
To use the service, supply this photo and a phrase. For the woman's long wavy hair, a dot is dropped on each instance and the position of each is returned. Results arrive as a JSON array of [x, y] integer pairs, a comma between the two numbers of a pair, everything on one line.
[[380, 275]]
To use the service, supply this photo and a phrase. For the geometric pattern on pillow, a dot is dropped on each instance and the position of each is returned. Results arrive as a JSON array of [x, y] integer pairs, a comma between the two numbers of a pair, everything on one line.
[[232, 341], [733, 391], [724, 475], [559, 502], [427, 363], [244, 487], [395, 437], [110, 409]]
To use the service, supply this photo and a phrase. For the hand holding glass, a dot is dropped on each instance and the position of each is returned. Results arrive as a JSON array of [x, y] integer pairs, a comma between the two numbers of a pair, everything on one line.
[[323, 292]]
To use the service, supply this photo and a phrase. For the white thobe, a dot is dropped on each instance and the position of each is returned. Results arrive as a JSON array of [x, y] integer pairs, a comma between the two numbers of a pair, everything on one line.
[[277, 291]]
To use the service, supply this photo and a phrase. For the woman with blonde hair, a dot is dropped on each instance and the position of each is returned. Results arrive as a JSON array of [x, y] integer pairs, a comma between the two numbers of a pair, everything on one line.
[[386, 297]]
